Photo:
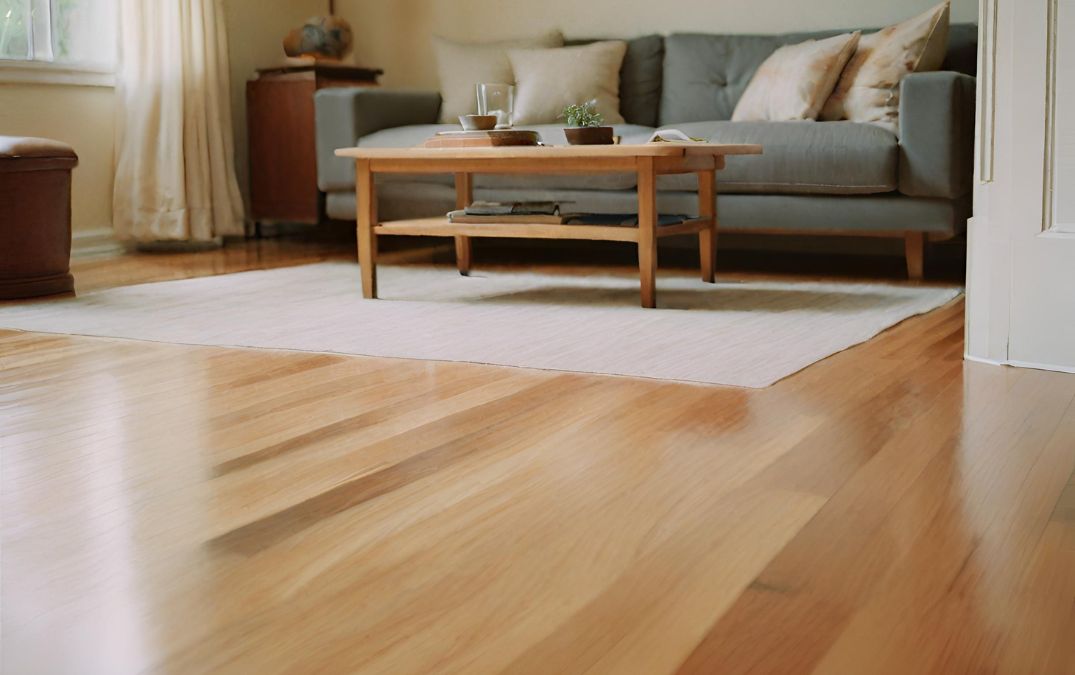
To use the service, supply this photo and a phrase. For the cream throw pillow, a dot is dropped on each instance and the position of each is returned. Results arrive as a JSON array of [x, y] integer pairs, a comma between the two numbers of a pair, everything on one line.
[[795, 82], [547, 80], [463, 66], [869, 90]]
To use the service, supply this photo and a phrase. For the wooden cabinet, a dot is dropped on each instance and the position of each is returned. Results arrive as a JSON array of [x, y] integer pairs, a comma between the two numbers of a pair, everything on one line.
[[281, 130]]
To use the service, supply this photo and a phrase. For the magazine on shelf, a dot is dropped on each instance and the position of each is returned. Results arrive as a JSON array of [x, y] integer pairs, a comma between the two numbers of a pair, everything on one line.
[[481, 208], [461, 216], [606, 219], [619, 219]]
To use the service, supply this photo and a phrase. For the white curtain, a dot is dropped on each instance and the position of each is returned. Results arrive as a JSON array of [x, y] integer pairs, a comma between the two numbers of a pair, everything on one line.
[[175, 160]]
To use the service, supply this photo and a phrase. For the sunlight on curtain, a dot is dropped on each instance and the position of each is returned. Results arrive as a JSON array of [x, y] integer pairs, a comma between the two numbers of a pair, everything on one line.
[[175, 174]]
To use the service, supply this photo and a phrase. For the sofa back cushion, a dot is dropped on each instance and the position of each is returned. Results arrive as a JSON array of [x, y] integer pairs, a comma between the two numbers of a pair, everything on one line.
[[962, 49], [705, 75], [548, 80], [640, 79], [462, 66]]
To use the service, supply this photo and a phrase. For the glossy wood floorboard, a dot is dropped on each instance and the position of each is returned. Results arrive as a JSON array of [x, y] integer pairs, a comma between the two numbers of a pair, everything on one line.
[[187, 510]]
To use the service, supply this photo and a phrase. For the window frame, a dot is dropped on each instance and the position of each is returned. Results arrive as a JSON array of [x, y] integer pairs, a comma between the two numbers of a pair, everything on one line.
[[40, 68]]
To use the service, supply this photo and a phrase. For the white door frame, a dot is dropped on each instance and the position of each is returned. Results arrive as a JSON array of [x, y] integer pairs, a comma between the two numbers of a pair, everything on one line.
[[1021, 260]]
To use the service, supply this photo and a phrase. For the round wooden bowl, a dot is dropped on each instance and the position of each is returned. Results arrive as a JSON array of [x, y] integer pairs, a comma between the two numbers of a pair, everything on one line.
[[478, 122]]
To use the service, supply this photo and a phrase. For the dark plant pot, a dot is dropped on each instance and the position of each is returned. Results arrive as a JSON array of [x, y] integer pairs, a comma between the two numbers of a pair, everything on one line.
[[589, 135]]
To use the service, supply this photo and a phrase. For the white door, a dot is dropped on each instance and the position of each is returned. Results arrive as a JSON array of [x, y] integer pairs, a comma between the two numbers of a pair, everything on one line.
[[1021, 269]]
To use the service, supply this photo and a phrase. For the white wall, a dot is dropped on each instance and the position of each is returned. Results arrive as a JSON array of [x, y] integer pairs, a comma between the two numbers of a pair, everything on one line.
[[394, 35]]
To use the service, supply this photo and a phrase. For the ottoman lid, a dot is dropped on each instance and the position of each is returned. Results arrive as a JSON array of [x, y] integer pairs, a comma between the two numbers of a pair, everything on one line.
[[24, 153]]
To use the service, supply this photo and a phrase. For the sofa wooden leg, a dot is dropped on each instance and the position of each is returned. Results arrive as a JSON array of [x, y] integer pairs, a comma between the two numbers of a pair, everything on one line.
[[914, 248]]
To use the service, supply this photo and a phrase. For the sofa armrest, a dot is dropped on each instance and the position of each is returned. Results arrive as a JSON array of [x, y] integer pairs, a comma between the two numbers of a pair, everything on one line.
[[937, 134], [345, 115]]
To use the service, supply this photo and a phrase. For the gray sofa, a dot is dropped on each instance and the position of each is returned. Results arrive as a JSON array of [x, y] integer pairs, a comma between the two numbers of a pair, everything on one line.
[[830, 178]]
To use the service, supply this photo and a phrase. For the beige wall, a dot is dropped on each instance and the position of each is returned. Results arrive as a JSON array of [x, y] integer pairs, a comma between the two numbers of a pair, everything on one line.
[[395, 34], [80, 116], [255, 31], [83, 116]]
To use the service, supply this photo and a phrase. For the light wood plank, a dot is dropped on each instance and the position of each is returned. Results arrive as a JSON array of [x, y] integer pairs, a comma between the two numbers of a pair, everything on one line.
[[188, 509]]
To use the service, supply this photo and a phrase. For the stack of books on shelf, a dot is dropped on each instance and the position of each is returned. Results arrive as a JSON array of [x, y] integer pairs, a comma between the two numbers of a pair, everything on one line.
[[545, 213], [510, 212]]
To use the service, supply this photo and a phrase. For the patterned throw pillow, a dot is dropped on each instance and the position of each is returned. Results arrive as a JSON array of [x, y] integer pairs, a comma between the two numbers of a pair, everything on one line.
[[795, 82], [869, 90]]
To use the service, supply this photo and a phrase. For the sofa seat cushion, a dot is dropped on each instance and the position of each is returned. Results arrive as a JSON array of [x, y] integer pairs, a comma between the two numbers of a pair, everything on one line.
[[833, 158], [551, 134]]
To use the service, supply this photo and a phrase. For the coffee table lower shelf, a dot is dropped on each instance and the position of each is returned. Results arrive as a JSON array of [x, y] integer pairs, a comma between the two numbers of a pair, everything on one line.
[[441, 227]]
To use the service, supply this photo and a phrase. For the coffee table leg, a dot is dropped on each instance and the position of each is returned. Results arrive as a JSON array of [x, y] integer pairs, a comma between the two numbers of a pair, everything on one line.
[[707, 238], [366, 203], [464, 195], [647, 230]]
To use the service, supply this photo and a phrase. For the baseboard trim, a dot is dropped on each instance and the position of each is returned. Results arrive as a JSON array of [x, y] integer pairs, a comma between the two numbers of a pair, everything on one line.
[[99, 243], [1020, 364]]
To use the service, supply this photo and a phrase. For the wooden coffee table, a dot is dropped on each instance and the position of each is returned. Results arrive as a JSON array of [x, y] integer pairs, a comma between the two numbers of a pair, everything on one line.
[[647, 161]]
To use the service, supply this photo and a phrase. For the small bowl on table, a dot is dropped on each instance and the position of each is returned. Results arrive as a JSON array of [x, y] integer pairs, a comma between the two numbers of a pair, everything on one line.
[[478, 122], [590, 135]]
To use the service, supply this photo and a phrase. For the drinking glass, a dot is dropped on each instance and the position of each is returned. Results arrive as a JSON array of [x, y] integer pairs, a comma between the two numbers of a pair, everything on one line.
[[499, 100]]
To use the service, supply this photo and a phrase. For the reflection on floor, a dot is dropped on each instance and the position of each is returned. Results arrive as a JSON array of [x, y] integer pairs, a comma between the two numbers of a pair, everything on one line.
[[183, 509]]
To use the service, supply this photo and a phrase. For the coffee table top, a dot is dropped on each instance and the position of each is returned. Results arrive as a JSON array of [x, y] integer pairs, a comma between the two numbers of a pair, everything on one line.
[[557, 151]]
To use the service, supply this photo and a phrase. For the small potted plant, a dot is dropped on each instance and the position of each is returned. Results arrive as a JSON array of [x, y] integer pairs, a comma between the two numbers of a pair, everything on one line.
[[584, 125]]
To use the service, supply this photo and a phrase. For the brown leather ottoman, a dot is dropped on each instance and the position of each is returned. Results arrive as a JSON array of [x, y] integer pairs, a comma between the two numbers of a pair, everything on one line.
[[35, 217]]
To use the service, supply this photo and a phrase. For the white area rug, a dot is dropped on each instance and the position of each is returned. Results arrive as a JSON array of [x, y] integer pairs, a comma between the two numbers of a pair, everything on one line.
[[742, 334]]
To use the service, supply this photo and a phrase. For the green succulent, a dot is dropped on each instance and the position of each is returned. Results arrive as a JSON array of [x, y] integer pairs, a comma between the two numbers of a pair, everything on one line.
[[582, 115]]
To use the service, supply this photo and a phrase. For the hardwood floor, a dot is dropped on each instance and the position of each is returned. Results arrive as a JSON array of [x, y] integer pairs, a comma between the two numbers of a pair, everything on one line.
[[185, 510]]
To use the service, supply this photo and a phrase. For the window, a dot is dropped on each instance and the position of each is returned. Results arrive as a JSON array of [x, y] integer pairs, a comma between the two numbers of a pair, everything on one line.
[[70, 33]]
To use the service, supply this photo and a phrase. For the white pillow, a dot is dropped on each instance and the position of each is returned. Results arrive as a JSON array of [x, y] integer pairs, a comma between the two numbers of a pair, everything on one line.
[[795, 82], [548, 80], [463, 66], [869, 90]]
